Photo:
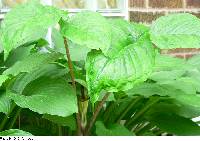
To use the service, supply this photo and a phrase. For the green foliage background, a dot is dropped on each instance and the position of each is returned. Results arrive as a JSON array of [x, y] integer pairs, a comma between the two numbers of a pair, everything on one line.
[[149, 93]]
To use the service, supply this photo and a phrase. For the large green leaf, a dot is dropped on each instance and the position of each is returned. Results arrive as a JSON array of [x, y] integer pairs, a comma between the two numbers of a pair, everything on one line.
[[194, 62], [69, 121], [169, 105], [26, 23], [140, 28], [38, 130], [177, 73], [88, 29], [32, 62], [161, 76], [176, 31], [14, 132], [113, 130], [77, 52], [195, 76], [132, 65], [186, 102], [175, 124], [18, 54], [168, 63], [169, 68], [149, 89], [123, 33], [5, 103], [186, 84], [45, 95], [47, 70]]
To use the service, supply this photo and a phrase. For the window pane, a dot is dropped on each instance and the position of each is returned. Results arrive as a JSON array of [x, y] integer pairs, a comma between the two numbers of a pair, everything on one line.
[[109, 4], [70, 4], [10, 3]]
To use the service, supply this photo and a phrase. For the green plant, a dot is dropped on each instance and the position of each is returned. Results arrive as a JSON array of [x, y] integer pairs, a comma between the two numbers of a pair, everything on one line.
[[101, 77]]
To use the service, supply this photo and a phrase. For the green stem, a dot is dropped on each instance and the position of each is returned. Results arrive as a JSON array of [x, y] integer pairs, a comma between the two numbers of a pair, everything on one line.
[[3, 122], [83, 95], [83, 107], [19, 121], [150, 103], [108, 111], [14, 118], [128, 108], [59, 130], [143, 129], [78, 119], [96, 113], [5, 119], [158, 132]]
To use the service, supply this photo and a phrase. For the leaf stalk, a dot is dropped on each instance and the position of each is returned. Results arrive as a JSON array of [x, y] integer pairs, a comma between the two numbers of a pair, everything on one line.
[[96, 113], [78, 120]]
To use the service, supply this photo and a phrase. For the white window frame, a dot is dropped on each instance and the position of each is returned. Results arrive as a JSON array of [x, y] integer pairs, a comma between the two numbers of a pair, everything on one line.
[[92, 5]]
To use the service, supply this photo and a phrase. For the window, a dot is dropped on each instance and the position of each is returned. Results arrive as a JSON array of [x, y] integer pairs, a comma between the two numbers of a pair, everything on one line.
[[10, 3], [110, 8], [70, 4], [110, 4]]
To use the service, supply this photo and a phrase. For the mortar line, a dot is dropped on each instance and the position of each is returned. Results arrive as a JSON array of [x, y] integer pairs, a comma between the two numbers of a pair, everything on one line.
[[195, 10]]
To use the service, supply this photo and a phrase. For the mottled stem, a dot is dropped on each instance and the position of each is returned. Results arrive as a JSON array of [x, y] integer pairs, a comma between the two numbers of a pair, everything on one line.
[[78, 120], [96, 113]]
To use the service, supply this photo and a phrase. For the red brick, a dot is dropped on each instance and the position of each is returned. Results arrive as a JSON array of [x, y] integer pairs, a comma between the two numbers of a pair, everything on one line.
[[178, 50], [144, 17], [191, 50], [193, 3], [181, 50], [166, 3], [178, 55], [136, 3], [187, 56], [196, 13]]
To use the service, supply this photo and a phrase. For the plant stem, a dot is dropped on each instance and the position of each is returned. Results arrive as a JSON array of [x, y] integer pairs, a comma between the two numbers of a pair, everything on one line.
[[6, 117], [96, 113], [83, 95], [109, 108], [70, 64], [83, 107], [143, 129], [78, 120], [14, 118], [19, 121], [150, 103], [59, 130], [128, 108], [3, 122]]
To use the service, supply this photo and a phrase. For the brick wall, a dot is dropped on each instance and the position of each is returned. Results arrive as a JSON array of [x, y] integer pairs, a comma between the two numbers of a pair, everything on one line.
[[145, 11]]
